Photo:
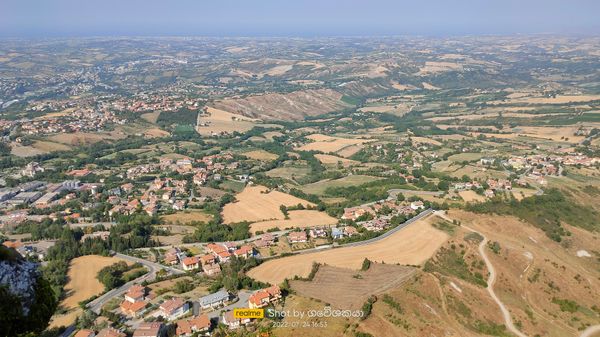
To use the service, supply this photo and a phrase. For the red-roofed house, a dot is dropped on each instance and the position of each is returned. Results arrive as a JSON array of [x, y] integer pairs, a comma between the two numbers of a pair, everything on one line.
[[264, 297], [244, 251], [296, 237], [134, 309], [187, 327], [174, 308], [149, 329], [190, 263], [85, 333]]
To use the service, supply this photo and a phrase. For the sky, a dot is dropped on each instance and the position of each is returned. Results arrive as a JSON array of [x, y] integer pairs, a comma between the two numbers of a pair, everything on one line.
[[301, 18]]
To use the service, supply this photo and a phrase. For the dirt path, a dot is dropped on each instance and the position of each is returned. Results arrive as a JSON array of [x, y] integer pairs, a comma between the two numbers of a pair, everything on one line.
[[490, 287]]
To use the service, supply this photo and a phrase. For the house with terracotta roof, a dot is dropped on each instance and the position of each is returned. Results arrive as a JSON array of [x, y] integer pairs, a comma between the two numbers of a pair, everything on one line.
[[350, 231], [207, 259], [232, 322], [136, 293], [149, 329], [85, 333], [174, 308], [135, 309], [224, 256], [110, 332], [188, 327], [190, 263], [216, 248], [264, 297], [297, 237], [244, 251]]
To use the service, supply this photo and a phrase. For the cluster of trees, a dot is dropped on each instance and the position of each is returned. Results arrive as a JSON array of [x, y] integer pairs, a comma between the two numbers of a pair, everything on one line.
[[117, 274], [233, 276]]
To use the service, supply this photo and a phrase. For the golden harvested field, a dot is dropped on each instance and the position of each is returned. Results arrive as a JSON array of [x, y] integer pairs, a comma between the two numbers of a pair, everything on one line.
[[186, 216], [470, 196], [151, 117], [50, 146], [82, 285], [260, 155], [343, 290], [563, 133], [297, 218], [325, 143], [222, 121], [319, 187], [84, 137], [296, 326], [328, 159], [155, 133], [559, 99], [412, 245], [24, 151], [425, 140], [254, 204]]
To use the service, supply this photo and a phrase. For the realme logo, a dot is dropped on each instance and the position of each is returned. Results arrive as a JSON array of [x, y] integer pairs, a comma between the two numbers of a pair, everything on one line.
[[248, 313]]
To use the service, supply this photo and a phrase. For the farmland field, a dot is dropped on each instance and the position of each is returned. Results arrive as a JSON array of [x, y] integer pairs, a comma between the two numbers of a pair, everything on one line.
[[186, 217], [319, 187], [349, 289], [82, 285], [256, 203], [326, 144], [297, 218], [412, 245]]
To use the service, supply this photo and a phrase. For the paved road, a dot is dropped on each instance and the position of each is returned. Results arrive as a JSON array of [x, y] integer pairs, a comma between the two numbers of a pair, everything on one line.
[[153, 268], [366, 242]]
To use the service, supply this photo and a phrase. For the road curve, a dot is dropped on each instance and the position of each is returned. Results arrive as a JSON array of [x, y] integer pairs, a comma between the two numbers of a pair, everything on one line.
[[490, 287]]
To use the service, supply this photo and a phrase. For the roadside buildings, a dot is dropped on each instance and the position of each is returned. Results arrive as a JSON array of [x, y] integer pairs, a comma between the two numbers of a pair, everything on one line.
[[190, 263], [174, 308], [133, 309], [136, 293], [187, 327], [214, 300], [149, 329], [297, 237], [85, 333], [233, 323], [264, 297]]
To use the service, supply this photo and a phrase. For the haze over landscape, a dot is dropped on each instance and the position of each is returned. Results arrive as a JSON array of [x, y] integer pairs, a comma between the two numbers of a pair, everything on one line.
[[299, 168]]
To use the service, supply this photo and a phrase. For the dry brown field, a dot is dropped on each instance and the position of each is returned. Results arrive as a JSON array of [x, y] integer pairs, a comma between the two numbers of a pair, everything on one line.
[[256, 203], [82, 285], [325, 143], [186, 216], [260, 155], [298, 218], [470, 196], [223, 121], [349, 289], [333, 160], [412, 245]]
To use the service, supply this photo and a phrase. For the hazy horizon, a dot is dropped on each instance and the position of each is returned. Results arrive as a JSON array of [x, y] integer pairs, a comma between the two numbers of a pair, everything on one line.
[[269, 18]]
